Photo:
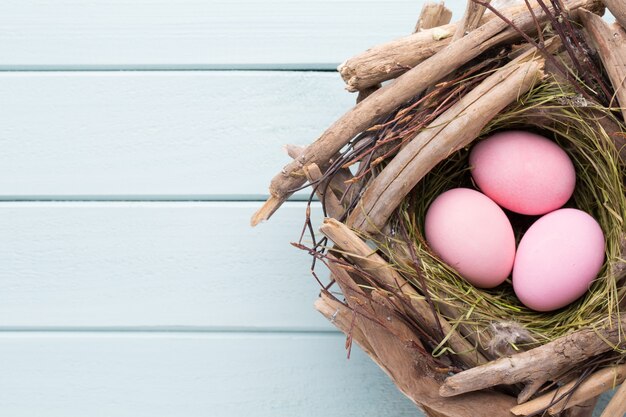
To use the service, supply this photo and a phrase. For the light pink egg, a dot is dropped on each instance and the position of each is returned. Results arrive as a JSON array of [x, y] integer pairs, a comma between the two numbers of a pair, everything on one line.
[[469, 232], [557, 259], [523, 172]]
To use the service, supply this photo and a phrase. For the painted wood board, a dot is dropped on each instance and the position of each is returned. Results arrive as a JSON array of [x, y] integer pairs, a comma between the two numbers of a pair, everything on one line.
[[162, 265], [157, 135], [196, 34], [191, 375]]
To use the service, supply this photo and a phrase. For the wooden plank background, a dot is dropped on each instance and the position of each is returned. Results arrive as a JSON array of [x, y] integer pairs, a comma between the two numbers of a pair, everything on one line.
[[157, 134], [131, 281], [192, 375], [137, 138], [118, 264], [197, 34]]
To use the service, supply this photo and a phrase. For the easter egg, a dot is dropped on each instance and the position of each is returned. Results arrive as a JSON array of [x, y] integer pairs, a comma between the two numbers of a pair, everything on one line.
[[557, 259], [523, 172], [469, 232]]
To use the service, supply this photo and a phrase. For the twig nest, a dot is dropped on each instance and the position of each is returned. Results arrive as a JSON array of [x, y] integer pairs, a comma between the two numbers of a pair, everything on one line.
[[406, 301]]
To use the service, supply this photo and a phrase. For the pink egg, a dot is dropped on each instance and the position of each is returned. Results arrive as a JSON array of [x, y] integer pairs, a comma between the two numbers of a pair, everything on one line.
[[523, 172], [557, 259], [472, 234]]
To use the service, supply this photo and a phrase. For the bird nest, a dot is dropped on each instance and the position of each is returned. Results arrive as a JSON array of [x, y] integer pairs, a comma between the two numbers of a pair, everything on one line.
[[454, 349], [554, 111]]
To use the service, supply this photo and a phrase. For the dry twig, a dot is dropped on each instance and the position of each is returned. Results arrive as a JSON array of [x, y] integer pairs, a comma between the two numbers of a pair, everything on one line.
[[433, 14], [573, 393], [471, 19], [610, 42], [562, 354]]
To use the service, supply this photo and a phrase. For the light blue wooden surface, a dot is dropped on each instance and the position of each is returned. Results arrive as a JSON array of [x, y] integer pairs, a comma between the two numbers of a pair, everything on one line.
[[154, 265], [157, 134], [147, 294], [197, 34], [191, 375]]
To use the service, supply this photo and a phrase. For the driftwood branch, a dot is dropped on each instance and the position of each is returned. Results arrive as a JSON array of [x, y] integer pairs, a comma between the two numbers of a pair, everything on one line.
[[610, 42], [366, 92], [455, 128], [362, 255], [324, 193], [590, 388], [293, 151], [391, 59], [433, 14], [384, 100], [584, 409], [618, 9], [337, 183], [529, 390], [342, 317], [393, 347], [471, 19], [562, 354], [581, 400]]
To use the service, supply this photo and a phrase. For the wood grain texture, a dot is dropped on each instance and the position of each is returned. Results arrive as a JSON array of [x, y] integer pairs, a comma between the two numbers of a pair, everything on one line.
[[217, 375], [157, 135], [618, 9], [154, 265], [610, 44], [196, 34], [590, 388]]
